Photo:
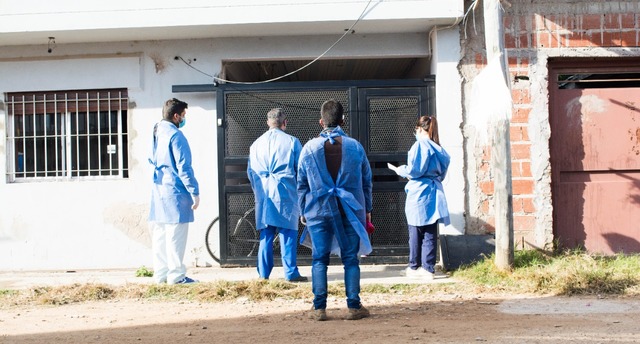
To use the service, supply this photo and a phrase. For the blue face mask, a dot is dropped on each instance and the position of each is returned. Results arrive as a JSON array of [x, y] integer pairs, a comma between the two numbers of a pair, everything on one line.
[[182, 123]]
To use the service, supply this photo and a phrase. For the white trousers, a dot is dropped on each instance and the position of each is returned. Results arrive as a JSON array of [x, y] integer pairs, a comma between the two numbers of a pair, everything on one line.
[[169, 241]]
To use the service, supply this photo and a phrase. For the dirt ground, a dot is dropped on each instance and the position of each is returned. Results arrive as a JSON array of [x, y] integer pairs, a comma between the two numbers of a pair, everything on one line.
[[395, 319]]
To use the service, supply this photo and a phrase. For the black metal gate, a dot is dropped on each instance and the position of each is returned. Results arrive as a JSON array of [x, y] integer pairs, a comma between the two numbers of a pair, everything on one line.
[[380, 115]]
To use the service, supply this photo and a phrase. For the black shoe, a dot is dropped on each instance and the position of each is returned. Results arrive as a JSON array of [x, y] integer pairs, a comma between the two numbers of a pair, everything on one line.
[[299, 279]]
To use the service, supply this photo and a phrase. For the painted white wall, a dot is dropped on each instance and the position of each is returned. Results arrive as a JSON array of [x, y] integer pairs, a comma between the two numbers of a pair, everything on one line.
[[70, 21], [445, 59], [103, 224], [110, 71]]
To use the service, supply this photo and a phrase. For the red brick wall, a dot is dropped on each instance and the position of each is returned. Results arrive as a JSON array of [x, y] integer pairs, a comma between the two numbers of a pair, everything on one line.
[[571, 30], [528, 30]]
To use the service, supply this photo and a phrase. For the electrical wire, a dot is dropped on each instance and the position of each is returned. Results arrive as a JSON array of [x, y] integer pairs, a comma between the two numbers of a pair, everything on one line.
[[347, 31], [472, 7]]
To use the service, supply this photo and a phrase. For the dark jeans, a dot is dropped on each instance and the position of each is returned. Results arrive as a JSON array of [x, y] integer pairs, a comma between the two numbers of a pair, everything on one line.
[[423, 241]]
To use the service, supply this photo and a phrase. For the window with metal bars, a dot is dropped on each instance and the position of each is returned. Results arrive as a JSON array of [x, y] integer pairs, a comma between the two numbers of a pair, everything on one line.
[[67, 135]]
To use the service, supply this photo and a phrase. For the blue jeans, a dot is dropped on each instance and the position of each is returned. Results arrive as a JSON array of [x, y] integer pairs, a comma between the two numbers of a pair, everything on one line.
[[349, 242], [288, 246], [422, 246]]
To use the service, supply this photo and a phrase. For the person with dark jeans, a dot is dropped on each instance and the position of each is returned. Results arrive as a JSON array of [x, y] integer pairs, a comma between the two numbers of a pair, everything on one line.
[[334, 191], [426, 205]]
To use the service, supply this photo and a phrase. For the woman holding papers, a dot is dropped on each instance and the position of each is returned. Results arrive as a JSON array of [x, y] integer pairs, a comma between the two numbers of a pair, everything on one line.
[[426, 204]]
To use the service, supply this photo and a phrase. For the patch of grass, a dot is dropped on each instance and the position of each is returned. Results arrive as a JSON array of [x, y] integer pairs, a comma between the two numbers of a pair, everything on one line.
[[219, 291], [143, 271], [61, 295], [158, 291], [7, 292], [387, 289], [74, 293], [8, 296], [567, 273], [530, 258]]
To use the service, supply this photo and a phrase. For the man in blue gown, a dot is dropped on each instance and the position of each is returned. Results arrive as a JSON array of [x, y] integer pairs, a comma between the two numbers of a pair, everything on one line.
[[174, 197], [334, 191], [273, 161]]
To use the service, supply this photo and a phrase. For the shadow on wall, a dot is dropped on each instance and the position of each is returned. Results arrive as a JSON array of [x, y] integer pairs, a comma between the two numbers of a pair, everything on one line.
[[632, 245], [569, 178], [458, 250], [476, 245], [634, 193]]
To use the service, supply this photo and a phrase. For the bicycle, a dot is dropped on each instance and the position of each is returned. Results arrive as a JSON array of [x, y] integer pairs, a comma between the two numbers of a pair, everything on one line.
[[244, 240]]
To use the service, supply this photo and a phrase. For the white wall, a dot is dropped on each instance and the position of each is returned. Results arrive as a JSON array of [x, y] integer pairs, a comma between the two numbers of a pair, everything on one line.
[[71, 21], [446, 56], [102, 224]]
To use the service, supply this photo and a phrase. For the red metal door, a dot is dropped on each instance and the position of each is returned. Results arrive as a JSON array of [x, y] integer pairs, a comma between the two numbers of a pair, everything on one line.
[[595, 159]]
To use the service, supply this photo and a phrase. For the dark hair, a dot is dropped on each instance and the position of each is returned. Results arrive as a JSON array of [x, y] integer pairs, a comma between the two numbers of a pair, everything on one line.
[[430, 125], [172, 106], [331, 113]]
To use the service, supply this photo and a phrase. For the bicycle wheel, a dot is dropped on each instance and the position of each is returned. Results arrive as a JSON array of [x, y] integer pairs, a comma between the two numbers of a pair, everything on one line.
[[244, 239], [213, 232]]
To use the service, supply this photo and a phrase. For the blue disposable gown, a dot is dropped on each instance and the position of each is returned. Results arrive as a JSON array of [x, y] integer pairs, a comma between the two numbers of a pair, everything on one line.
[[174, 182], [273, 161], [318, 194], [426, 167]]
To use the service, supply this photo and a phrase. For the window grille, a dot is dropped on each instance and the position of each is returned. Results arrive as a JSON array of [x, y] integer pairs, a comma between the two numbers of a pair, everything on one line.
[[67, 135]]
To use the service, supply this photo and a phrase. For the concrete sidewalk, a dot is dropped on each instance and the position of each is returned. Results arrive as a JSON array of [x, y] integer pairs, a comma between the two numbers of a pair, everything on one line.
[[369, 274]]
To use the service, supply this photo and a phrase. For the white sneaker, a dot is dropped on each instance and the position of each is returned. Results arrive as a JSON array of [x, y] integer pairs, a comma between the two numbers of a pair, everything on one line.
[[409, 272], [424, 274], [420, 273]]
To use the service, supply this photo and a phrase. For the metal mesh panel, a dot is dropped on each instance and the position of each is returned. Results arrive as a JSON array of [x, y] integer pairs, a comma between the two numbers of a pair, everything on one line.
[[391, 119], [391, 123], [390, 221], [242, 237], [246, 115]]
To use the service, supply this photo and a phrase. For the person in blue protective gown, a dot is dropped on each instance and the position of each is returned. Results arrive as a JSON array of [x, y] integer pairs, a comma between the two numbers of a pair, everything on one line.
[[174, 196], [334, 191], [426, 205], [272, 169]]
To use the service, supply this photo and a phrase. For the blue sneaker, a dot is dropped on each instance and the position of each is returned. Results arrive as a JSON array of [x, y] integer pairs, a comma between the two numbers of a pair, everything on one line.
[[186, 280]]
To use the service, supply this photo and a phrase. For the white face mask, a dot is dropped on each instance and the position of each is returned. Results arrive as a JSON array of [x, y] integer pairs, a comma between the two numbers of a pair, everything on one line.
[[417, 133]]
